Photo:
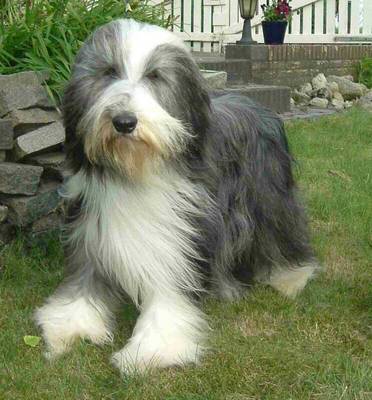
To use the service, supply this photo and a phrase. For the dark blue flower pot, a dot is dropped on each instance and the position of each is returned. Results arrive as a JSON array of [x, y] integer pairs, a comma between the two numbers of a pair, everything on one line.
[[274, 31]]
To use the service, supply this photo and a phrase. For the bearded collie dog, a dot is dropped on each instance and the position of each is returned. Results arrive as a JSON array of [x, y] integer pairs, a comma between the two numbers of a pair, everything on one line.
[[175, 193]]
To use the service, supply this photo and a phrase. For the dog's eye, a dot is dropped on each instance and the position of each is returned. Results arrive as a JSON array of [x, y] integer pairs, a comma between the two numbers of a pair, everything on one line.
[[153, 75], [111, 72]]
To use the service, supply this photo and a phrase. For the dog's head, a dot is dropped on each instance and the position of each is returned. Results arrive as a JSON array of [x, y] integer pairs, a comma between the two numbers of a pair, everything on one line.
[[135, 99]]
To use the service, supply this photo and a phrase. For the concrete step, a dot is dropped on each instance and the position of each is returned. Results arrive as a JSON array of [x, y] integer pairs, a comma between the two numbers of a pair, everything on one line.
[[275, 98], [310, 113], [238, 70]]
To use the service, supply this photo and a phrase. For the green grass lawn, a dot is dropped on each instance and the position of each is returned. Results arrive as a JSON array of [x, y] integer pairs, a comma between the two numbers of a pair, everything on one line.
[[264, 347]]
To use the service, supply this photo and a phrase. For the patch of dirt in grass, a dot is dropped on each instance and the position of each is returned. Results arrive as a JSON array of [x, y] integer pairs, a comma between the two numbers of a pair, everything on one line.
[[337, 265], [250, 327], [318, 188], [318, 225], [319, 333], [237, 396], [339, 174]]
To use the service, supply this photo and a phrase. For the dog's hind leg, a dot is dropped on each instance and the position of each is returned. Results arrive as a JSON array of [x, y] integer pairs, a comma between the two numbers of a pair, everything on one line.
[[80, 307]]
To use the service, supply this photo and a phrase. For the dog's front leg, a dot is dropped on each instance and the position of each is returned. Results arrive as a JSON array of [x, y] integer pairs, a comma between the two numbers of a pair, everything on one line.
[[80, 307], [168, 332]]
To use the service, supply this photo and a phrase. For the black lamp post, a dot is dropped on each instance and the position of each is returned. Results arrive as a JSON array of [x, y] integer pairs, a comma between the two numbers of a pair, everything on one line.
[[247, 11]]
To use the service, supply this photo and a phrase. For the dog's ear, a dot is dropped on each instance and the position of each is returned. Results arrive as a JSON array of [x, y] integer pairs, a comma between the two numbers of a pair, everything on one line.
[[179, 86], [73, 105], [81, 91], [71, 108], [83, 87]]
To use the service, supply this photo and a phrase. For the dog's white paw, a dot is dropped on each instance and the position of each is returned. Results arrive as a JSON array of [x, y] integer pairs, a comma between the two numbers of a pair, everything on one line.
[[130, 362], [134, 358], [63, 322]]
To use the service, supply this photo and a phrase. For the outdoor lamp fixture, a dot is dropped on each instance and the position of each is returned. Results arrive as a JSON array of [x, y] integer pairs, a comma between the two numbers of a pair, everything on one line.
[[247, 11]]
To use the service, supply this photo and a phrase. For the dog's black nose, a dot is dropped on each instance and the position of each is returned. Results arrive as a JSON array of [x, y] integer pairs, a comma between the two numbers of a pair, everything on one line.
[[125, 123]]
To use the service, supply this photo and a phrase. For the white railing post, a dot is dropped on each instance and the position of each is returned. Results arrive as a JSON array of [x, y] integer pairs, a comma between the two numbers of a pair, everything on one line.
[[207, 26], [367, 18], [306, 20], [331, 17], [197, 15], [234, 12], [318, 18], [178, 14], [296, 23], [343, 17], [355, 17], [187, 16]]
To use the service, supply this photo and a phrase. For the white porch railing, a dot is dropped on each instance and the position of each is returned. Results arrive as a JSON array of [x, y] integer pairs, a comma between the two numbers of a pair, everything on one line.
[[209, 24]]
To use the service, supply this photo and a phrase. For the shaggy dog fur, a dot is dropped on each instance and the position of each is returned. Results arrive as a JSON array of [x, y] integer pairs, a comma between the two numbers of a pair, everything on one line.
[[174, 193]]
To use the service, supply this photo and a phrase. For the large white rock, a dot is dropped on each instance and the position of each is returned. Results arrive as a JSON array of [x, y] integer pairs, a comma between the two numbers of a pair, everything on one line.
[[300, 97], [348, 89], [348, 104], [333, 87], [338, 104], [319, 82], [324, 93], [319, 102], [338, 96], [307, 89]]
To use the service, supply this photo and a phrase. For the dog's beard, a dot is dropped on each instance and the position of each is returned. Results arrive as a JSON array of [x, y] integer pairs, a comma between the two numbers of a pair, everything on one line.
[[136, 155], [133, 155]]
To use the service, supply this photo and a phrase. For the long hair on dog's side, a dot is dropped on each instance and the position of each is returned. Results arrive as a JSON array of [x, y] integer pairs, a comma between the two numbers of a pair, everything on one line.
[[258, 230]]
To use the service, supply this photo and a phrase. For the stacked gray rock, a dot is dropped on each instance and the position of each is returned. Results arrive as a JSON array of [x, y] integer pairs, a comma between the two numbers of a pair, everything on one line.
[[338, 92], [31, 156]]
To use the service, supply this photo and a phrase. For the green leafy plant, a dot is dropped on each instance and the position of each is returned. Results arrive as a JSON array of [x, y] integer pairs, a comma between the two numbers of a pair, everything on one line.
[[45, 35], [365, 72]]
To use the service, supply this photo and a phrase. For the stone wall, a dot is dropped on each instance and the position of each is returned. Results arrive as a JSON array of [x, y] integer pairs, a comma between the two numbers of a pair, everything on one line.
[[293, 64], [31, 157]]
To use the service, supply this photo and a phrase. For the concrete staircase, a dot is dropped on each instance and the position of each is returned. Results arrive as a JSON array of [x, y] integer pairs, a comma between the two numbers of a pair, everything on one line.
[[276, 98]]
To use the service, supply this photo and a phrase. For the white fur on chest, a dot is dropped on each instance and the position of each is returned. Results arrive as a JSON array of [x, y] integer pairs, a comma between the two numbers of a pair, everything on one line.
[[139, 234]]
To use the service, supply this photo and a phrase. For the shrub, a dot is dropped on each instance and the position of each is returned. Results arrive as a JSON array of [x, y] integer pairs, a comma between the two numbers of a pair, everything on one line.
[[44, 35], [365, 72]]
